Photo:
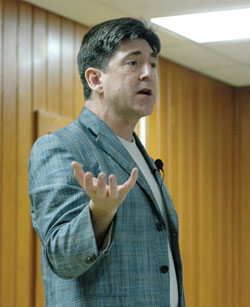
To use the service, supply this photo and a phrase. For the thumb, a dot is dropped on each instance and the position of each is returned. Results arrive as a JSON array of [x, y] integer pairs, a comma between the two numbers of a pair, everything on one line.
[[128, 185]]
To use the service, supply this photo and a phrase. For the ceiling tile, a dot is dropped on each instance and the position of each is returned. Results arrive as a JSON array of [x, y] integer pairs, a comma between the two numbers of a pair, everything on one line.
[[169, 38], [159, 8], [195, 56], [237, 50], [87, 12], [234, 75]]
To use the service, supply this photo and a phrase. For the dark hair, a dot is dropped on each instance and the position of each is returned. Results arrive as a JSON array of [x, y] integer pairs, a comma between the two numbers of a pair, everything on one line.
[[100, 43]]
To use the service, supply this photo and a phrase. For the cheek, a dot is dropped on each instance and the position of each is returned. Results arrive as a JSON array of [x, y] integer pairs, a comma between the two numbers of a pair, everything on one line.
[[126, 85], [156, 84]]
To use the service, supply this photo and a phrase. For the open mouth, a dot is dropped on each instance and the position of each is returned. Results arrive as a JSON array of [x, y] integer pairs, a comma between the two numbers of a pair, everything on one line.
[[147, 92]]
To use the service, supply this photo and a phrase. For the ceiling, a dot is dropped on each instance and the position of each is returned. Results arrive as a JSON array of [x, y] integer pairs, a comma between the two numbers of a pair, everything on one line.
[[225, 61]]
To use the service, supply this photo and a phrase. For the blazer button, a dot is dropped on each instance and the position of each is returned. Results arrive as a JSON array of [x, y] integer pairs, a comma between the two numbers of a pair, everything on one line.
[[89, 260], [164, 269], [159, 226]]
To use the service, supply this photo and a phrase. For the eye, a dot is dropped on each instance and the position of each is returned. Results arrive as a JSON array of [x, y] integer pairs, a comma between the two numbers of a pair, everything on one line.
[[153, 65], [133, 63]]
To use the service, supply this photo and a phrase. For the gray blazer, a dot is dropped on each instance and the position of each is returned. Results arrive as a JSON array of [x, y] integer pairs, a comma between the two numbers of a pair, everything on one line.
[[132, 271]]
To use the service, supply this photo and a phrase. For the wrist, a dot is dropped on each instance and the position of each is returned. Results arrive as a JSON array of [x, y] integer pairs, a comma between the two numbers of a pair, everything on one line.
[[101, 222], [100, 214]]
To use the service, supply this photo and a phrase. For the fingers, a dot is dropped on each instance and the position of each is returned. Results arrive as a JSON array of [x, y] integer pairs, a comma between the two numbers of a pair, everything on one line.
[[101, 188], [92, 186], [98, 188], [88, 183], [78, 172], [128, 185], [113, 193], [132, 179]]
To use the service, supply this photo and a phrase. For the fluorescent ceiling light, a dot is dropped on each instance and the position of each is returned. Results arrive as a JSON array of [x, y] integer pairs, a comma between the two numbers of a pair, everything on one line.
[[209, 27]]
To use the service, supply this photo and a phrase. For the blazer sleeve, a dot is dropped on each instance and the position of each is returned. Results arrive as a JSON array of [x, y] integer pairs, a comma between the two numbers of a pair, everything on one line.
[[60, 208]]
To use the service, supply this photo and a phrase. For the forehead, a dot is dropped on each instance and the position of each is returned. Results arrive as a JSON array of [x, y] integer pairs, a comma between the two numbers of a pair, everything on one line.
[[135, 47]]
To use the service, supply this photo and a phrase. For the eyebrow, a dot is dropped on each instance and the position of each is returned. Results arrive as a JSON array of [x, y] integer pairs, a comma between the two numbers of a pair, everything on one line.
[[138, 52]]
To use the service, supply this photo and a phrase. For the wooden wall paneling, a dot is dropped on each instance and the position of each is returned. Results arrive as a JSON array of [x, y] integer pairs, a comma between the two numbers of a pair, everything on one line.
[[205, 195], [181, 193], [244, 200], [191, 209], [47, 122], [24, 243], [200, 191], [39, 58], [236, 200], [1, 144], [218, 225], [67, 69], [162, 116], [213, 204], [177, 136], [227, 186], [228, 167], [8, 223], [191, 272], [170, 119], [182, 164], [39, 90], [53, 63], [78, 87], [188, 209], [217, 192], [173, 137]]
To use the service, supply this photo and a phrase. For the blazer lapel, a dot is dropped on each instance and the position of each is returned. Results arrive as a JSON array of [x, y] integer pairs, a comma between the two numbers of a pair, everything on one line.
[[113, 147], [170, 210]]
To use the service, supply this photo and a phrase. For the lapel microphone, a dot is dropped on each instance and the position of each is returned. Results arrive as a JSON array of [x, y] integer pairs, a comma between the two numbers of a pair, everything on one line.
[[159, 164]]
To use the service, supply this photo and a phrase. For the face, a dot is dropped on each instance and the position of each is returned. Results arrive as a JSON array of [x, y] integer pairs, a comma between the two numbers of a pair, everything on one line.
[[130, 81]]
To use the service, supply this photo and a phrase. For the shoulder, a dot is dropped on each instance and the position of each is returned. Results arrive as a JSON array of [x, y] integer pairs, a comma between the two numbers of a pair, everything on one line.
[[65, 138]]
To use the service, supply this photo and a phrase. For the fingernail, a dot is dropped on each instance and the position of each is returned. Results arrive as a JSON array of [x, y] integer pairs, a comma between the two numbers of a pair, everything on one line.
[[88, 176], [102, 178]]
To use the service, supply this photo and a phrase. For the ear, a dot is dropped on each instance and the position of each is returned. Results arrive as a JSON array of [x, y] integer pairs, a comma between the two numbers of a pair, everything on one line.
[[93, 77]]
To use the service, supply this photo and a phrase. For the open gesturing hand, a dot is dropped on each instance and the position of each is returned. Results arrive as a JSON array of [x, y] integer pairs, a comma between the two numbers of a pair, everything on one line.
[[105, 198]]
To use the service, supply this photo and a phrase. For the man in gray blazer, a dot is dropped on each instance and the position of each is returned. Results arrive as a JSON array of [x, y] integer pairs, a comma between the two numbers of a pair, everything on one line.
[[107, 225]]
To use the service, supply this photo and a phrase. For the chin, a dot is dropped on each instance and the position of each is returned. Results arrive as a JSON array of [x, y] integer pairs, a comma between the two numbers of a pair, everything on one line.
[[145, 112], [148, 110]]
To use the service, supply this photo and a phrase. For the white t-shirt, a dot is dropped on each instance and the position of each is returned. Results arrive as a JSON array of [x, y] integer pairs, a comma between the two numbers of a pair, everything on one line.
[[143, 166]]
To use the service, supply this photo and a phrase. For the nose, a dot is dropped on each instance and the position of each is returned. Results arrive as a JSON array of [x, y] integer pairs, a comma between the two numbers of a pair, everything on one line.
[[147, 72]]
